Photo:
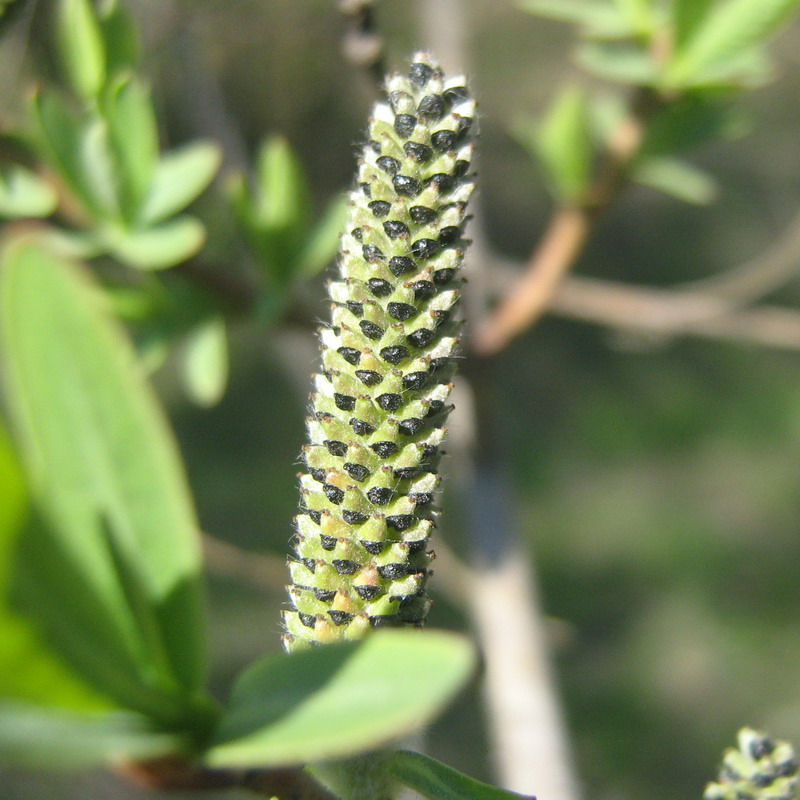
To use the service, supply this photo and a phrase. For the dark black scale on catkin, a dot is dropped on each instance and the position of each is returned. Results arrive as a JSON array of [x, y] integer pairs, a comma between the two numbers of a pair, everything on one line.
[[400, 522], [415, 380], [374, 548], [424, 248], [391, 166], [324, 595], [449, 234], [421, 153], [400, 265], [420, 74], [379, 495], [340, 617], [379, 287], [327, 542], [380, 208], [384, 449], [394, 353], [345, 566], [361, 427], [406, 473], [357, 234], [423, 290], [309, 620], [395, 229], [410, 426], [370, 329], [358, 472], [344, 402], [390, 401], [401, 311], [349, 354], [393, 571], [444, 141], [406, 185], [369, 377], [335, 448], [333, 493], [443, 276], [456, 94], [431, 107], [316, 516], [367, 592], [422, 215], [372, 254], [354, 517], [421, 337], [317, 474], [441, 181], [404, 124], [356, 309]]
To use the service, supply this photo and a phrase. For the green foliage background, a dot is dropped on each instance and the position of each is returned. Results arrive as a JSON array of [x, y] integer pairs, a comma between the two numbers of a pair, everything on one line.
[[657, 480]]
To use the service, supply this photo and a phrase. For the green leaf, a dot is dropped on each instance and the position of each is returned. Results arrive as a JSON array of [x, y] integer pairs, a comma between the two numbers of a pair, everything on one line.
[[687, 16], [676, 178], [564, 145], [437, 781], [597, 18], [113, 568], [730, 29], [134, 139], [24, 194], [335, 701], [692, 120], [619, 62], [120, 36], [322, 242], [205, 364], [82, 47], [638, 13], [282, 199], [28, 669], [99, 172], [62, 137], [160, 247], [179, 178], [33, 737]]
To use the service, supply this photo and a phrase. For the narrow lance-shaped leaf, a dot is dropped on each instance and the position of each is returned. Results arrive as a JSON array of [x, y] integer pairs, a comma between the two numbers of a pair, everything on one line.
[[134, 140], [179, 177], [687, 16], [82, 47], [564, 145], [24, 194], [206, 362], [730, 29], [331, 702], [381, 400], [159, 247], [437, 781], [118, 528], [676, 178]]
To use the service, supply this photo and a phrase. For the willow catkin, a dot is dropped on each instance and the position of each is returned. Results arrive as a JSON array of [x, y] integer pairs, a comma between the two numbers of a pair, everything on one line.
[[380, 402]]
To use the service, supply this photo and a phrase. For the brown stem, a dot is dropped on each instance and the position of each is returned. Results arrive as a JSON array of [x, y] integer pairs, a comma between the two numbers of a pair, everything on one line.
[[566, 236], [177, 775]]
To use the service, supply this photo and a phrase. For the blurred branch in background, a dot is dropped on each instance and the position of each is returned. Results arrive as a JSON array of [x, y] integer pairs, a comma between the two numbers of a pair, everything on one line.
[[363, 44]]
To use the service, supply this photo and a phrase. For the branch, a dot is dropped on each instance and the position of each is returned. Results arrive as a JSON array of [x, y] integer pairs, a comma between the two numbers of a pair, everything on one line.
[[175, 774], [566, 236], [670, 312]]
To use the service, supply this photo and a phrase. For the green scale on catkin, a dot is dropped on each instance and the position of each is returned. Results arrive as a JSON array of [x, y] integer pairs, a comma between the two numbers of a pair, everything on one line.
[[381, 401]]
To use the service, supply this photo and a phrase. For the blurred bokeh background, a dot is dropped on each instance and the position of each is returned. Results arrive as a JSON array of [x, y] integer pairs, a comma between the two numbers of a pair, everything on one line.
[[656, 477]]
